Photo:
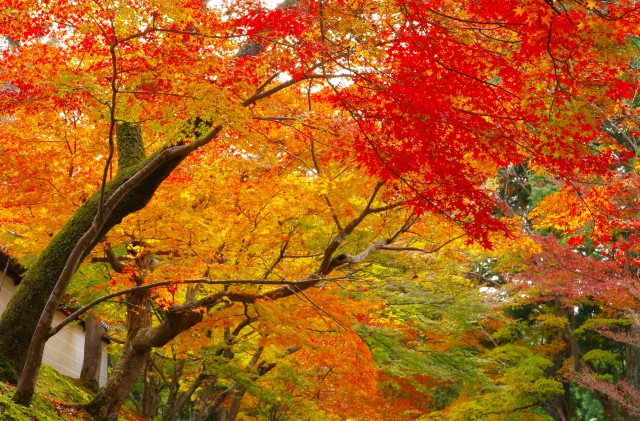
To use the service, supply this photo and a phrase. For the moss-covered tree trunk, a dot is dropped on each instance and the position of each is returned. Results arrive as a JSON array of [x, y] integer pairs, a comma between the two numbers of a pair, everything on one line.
[[17, 324]]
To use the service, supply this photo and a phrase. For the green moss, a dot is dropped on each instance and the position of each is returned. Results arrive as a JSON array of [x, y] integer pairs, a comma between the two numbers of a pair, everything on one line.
[[130, 148], [53, 392], [57, 398], [7, 373], [62, 388]]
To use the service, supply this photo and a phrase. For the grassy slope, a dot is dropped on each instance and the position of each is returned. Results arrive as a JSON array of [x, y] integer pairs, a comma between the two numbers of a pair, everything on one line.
[[54, 391]]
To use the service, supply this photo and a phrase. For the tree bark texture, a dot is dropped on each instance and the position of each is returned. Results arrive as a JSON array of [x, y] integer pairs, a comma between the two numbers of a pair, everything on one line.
[[236, 403], [140, 340], [92, 359], [107, 402], [150, 392], [176, 406]]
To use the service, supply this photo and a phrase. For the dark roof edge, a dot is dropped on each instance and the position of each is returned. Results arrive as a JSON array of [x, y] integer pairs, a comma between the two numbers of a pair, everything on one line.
[[11, 266]]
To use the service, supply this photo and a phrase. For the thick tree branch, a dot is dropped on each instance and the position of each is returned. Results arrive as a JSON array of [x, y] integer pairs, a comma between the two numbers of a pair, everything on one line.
[[112, 259], [348, 229], [343, 258], [190, 304]]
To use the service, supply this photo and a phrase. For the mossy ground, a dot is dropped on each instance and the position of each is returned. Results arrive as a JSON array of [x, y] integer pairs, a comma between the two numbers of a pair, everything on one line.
[[56, 399]]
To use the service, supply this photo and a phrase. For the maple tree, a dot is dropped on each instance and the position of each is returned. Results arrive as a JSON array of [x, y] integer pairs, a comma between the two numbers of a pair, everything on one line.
[[422, 103], [326, 341], [581, 286], [603, 341]]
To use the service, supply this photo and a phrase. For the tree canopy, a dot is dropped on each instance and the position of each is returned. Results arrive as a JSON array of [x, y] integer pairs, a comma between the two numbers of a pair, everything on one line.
[[334, 207]]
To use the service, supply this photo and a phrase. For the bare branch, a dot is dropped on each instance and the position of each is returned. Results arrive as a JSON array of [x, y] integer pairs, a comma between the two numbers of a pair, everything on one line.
[[344, 258], [386, 208], [310, 301], [309, 75], [277, 260], [112, 339], [391, 248], [112, 259], [326, 197], [112, 128], [325, 266], [74, 316], [158, 93]]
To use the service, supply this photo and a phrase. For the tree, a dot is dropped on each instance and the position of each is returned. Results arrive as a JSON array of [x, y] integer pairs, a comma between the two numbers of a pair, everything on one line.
[[582, 284], [436, 118], [595, 271]]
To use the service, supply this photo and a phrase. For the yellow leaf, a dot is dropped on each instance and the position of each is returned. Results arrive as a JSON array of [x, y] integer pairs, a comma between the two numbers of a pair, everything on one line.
[[520, 11]]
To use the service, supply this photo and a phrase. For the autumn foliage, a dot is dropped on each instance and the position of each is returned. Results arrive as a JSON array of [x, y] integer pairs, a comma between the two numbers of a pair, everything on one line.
[[359, 207]]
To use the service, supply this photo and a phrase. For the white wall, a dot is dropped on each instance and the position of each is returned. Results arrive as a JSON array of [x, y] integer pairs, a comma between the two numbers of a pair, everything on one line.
[[7, 289], [64, 351], [104, 367]]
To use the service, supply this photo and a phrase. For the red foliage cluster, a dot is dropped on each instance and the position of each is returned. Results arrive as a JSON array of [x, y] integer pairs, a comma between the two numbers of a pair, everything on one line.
[[561, 272]]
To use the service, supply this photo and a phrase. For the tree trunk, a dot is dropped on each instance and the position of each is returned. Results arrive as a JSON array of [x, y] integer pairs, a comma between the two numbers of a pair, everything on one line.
[[140, 340], [150, 392], [632, 364], [174, 386], [177, 405], [106, 404], [609, 406], [91, 364], [235, 405], [206, 393], [17, 326], [212, 408], [559, 407]]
